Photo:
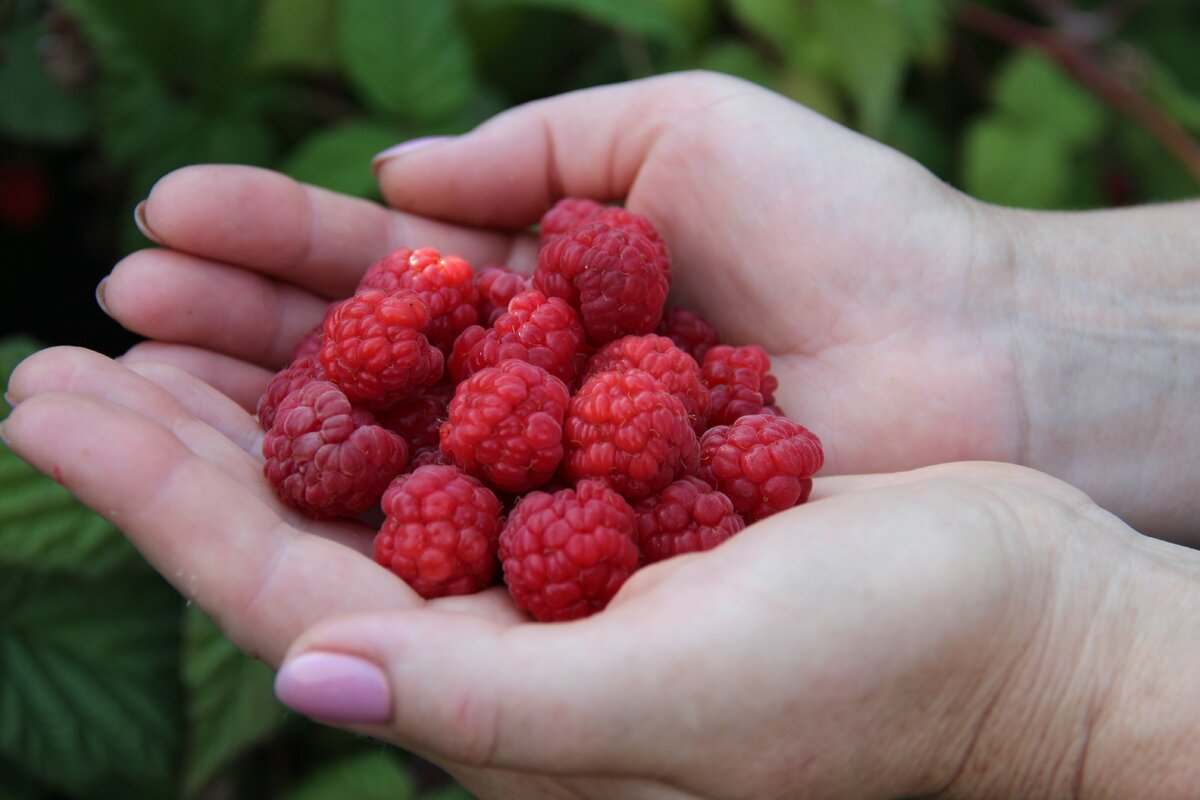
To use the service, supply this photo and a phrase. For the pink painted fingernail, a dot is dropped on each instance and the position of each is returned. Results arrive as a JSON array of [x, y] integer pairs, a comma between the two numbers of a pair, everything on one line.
[[335, 687], [405, 147]]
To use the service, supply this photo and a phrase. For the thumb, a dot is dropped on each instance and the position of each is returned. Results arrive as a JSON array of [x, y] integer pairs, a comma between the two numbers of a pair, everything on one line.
[[511, 169], [555, 698]]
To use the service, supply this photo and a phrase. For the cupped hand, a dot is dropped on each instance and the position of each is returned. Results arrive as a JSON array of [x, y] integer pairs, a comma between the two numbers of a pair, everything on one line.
[[881, 293], [865, 644]]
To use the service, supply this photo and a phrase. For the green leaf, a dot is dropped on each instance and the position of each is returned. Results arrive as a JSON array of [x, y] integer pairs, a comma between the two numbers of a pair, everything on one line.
[[1009, 164], [339, 158], [871, 53], [737, 58], [296, 34], [450, 793], [89, 682], [13, 350], [406, 57], [230, 702], [1030, 88], [661, 20], [926, 25], [373, 775], [790, 27], [35, 108]]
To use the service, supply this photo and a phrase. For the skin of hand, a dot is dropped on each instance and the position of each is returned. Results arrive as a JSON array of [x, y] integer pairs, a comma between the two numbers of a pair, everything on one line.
[[967, 630], [952, 642]]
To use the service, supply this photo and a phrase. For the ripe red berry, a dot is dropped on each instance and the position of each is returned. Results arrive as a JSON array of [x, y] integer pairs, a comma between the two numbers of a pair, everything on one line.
[[764, 463], [686, 517], [615, 277], [506, 425], [497, 286], [441, 531], [445, 283], [676, 370], [544, 331], [327, 458], [419, 419], [566, 554], [375, 351], [625, 428], [690, 332], [570, 212], [302, 370], [739, 381]]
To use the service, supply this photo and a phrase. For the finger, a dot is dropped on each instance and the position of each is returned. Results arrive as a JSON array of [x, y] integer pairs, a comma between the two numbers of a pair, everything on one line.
[[552, 698], [508, 171], [219, 544], [80, 371], [176, 297], [206, 404], [317, 239], [242, 382]]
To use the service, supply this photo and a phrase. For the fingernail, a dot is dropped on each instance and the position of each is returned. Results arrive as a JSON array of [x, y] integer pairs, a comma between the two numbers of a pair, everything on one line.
[[404, 147], [3, 422], [139, 219], [100, 296], [334, 687]]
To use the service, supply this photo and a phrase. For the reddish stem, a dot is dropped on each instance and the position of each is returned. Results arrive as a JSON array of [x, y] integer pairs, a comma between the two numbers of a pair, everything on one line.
[[1085, 69]]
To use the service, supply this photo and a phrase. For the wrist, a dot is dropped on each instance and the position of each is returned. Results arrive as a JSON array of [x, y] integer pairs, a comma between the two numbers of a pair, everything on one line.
[[1107, 356]]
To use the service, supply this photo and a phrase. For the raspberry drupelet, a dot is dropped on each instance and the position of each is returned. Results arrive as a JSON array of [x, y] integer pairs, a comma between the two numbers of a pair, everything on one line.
[[445, 283]]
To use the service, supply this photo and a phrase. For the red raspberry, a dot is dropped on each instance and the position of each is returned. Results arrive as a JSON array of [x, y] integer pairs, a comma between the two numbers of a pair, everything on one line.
[[566, 554], [615, 277], [764, 463], [375, 351], [419, 419], [301, 371], [426, 456], [568, 213], [497, 286], [659, 356], [543, 331], [636, 223], [445, 283], [440, 533], [628, 430], [739, 380], [327, 458], [686, 517], [690, 332], [506, 425]]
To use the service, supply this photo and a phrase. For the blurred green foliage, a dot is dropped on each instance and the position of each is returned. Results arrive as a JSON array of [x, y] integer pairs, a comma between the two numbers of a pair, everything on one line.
[[109, 685]]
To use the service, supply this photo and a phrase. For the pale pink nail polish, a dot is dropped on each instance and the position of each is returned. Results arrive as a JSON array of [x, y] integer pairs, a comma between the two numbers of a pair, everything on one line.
[[334, 687], [405, 147], [100, 296], [139, 219]]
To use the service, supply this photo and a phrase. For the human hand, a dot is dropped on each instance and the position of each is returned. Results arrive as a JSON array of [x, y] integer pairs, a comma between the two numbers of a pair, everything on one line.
[[959, 629]]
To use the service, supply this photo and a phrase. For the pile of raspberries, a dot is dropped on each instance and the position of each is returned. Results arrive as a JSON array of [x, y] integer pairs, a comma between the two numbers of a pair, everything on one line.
[[568, 426]]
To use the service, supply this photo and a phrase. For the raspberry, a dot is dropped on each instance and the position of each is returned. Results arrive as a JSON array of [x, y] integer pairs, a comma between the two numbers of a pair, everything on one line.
[[327, 458], [301, 371], [419, 419], [690, 332], [628, 430], [506, 425], [659, 356], [635, 223], [615, 277], [687, 517], [445, 283], [566, 554], [764, 463], [310, 345], [375, 351], [739, 380], [440, 533], [543, 331], [426, 456], [568, 213], [497, 286]]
